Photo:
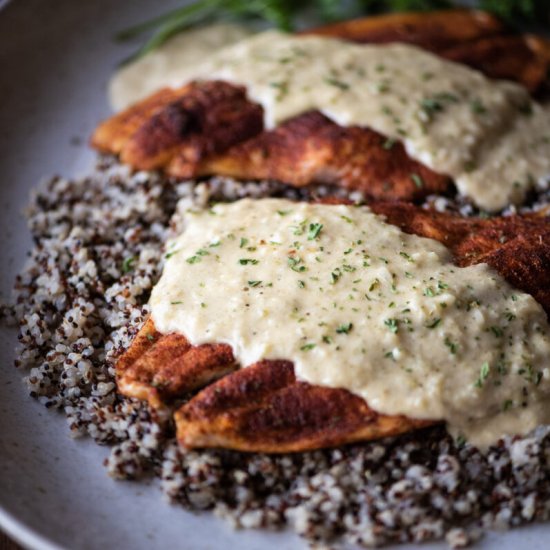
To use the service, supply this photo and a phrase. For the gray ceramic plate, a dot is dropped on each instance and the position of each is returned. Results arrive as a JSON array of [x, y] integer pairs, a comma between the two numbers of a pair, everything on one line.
[[55, 60]]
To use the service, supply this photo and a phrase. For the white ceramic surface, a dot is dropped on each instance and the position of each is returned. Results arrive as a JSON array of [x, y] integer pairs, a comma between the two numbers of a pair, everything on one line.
[[55, 59]]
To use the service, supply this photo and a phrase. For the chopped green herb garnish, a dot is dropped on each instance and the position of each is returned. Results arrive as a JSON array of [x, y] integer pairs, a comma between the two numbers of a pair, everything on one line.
[[243, 243], [314, 230], [128, 264], [483, 374], [389, 143], [197, 256], [344, 329], [460, 441], [477, 107], [433, 323], [337, 83], [430, 106], [417, 180], [335, 276], [307, 347], [254, 283], [510, 316], [246, 261], [295, 264], [392, 324], [451, 345]]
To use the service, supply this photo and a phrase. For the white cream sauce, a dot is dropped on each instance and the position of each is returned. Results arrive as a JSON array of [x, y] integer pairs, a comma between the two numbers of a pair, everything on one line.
[[170, 65], [356, 303], [488, 135]]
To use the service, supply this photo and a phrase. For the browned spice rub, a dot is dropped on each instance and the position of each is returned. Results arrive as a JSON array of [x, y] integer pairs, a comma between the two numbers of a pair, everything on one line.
[[310, 148], [177, 129], [434, 31], [161, 367], [211, 128], [263, 408]]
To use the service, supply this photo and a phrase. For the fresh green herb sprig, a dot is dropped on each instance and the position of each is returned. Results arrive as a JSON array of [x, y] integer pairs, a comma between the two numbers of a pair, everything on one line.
[[284, 14]]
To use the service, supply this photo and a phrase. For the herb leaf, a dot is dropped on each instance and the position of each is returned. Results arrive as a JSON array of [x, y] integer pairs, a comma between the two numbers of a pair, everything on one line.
[[483, 374], [307, 347], [433, 323], [314, 230], [295, 264], [392, 324], [344, 329]]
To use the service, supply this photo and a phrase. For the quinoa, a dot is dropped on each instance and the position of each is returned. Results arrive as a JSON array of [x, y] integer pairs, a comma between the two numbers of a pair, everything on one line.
[[82, 297]]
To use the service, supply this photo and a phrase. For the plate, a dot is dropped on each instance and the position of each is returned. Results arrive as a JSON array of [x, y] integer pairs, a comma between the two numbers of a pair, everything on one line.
[[55, 61]]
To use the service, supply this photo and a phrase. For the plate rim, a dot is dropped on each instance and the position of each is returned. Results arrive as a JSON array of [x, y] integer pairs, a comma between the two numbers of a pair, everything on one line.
[[23, 534]]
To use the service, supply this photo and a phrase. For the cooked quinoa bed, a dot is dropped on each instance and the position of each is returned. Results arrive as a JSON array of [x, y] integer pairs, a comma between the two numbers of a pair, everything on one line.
[[81, 298]]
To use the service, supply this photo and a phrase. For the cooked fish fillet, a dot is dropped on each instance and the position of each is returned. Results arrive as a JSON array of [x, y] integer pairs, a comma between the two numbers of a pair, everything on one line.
[[263, 408], [528, 65], [431, 31], [292, 415], [474, 38], [211, 128], [180, 127], [159, 367], [310, 148]]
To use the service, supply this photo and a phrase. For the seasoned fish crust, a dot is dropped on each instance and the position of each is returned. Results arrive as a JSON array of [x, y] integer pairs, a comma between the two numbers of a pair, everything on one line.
[[176, 129], [528, 65], [160, 367], [211, 128], [262, 407], [432, 31], [310, 148]]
